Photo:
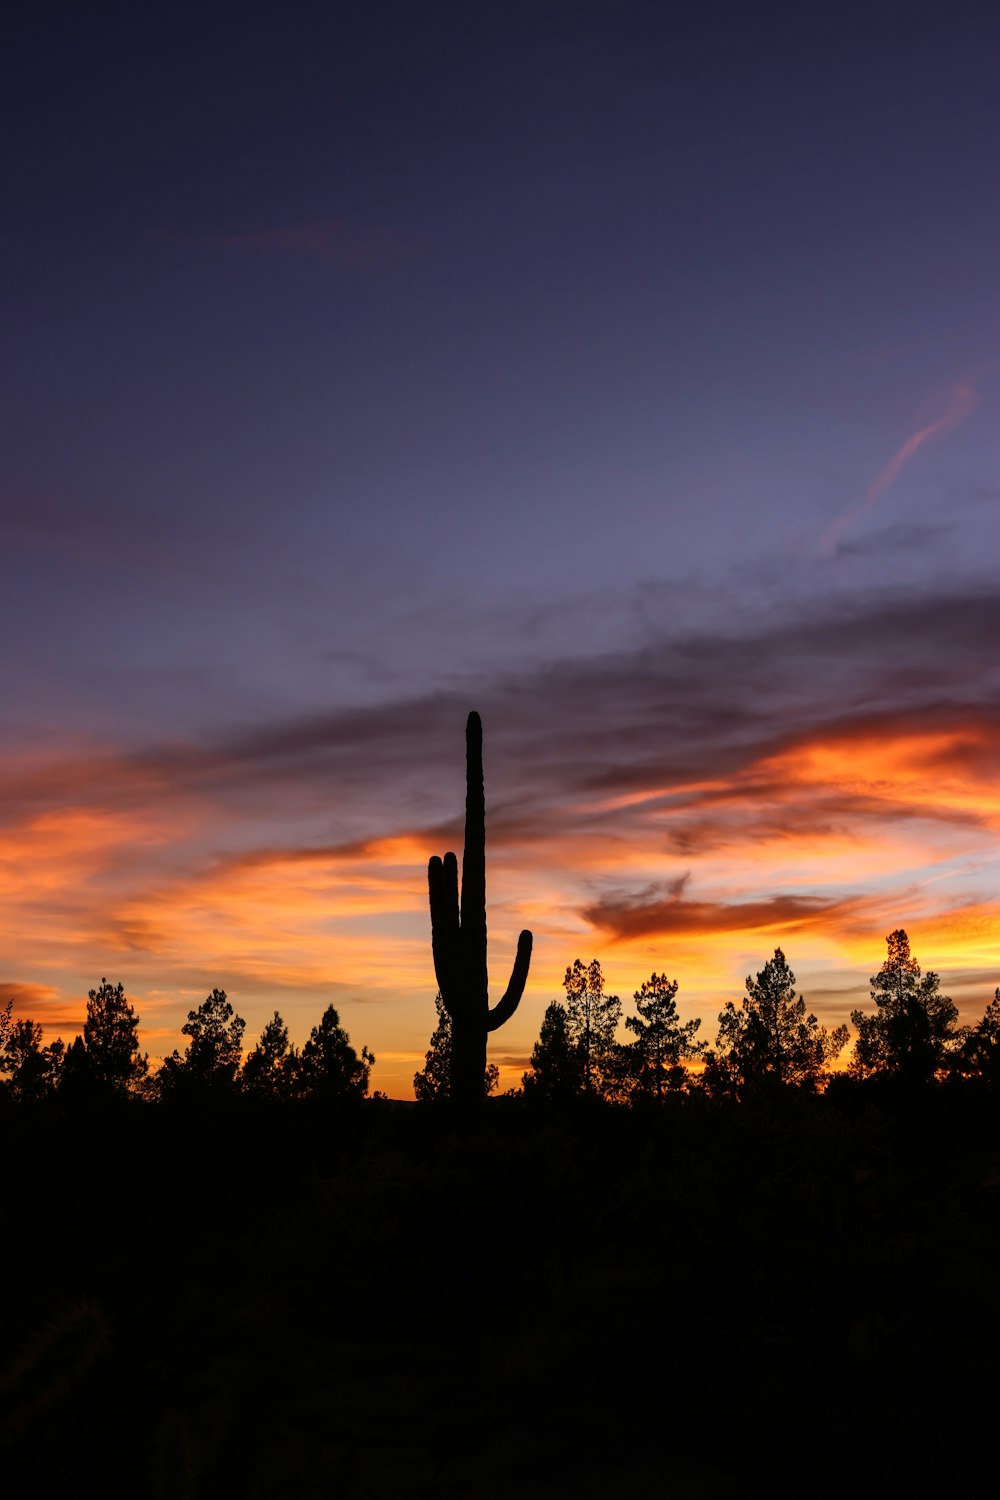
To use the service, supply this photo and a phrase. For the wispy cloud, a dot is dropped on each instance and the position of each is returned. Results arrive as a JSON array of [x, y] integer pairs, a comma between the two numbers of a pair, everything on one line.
[[622, 917], [678, 718], [28, 998], [822, 777], [962, 402]]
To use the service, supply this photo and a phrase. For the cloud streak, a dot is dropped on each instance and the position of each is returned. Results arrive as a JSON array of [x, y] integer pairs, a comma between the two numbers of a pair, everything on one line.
[[814, 780], [962, 402], [622, 917]]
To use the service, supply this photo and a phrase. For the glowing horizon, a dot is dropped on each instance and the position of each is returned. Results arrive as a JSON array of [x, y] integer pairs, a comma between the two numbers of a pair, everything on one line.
[[820, 848]]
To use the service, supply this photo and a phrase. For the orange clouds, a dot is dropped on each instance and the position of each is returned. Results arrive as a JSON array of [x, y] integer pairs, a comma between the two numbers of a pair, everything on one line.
[[921, 772], [813, 787], [844, 808], [820, 846], [34, 1000], [783, 914]]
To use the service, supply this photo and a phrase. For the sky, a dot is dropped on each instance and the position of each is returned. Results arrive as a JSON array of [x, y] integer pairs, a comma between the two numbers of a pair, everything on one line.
[[628, 372]]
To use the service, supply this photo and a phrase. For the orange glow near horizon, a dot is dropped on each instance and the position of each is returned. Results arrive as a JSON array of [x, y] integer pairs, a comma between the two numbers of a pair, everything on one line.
[[932, 771], [821, 849]]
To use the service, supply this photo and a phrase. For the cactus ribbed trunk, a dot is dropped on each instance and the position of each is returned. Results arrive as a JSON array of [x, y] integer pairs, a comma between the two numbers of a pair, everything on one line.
[[468, 1022], [458, 938]]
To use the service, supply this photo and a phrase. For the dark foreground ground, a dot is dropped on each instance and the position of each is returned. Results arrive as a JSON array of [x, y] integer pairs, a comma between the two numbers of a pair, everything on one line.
[[802, 1295]]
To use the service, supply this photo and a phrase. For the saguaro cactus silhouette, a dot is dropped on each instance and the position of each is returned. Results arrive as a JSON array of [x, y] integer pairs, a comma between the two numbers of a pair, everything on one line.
[[458, 938]]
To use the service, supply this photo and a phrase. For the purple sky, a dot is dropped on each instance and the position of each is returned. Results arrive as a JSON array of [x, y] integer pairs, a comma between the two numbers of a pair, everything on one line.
[[629, 372]]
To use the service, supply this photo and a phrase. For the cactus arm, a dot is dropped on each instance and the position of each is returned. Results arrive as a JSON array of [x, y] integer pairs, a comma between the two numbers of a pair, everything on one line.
[[458, 940], [442, 884], [511, 999]]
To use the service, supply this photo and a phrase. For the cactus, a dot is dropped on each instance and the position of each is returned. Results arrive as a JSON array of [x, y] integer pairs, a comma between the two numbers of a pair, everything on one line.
[[458, 939]]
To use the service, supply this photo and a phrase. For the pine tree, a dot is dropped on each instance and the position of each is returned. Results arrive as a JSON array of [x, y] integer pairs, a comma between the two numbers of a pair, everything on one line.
[[770, 1039], [979, 1053], [662, 1042], [211, 1060], [592, 1019], [32, 1068], [111, 1040], [268, 1071], [913, 1030], [328, 1067], [556, 1072]]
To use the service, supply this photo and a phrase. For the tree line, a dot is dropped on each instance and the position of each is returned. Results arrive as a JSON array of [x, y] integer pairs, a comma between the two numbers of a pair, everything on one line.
[[768, 1041], [107, 1057]]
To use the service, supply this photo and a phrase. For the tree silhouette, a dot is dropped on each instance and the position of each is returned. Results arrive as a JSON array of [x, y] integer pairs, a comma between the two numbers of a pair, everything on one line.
[[329, 1068], [592, 1018], [662, 1042], [211, 1060], [978, 1056], [111, 1040], [770, 1039], [77, 1077], [434, 1080], [556, 1070], [32, 1068], [913, 1029], [269, 1070]]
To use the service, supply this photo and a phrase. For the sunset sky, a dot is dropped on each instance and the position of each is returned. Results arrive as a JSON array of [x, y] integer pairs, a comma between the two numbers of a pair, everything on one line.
[[629, 372]]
